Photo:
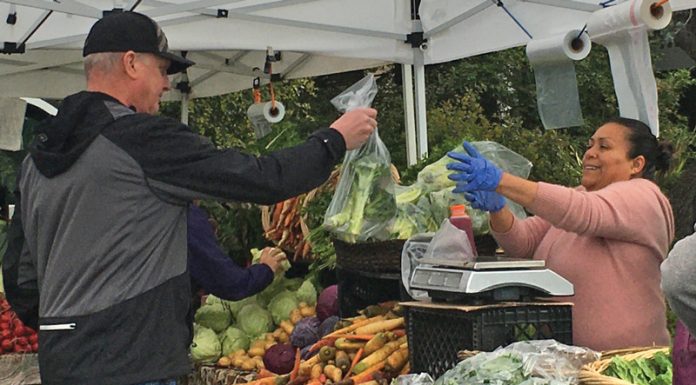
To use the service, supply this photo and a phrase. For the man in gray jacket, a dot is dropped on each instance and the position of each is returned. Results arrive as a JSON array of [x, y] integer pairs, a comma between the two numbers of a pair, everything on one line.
[[103, 201]]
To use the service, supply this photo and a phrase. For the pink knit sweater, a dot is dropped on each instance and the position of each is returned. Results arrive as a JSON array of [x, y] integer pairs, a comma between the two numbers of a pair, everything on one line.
[[609, 243]]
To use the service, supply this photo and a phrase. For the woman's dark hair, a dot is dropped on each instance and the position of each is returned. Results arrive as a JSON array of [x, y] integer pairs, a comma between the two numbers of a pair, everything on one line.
[[658, 155]]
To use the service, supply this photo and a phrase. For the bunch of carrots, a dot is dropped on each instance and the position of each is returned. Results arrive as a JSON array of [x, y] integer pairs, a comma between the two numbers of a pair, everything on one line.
[[284, 223], [368, 351]]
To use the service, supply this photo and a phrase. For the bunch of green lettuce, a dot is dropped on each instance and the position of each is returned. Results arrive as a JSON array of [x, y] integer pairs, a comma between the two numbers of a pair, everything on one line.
[[642, 371]]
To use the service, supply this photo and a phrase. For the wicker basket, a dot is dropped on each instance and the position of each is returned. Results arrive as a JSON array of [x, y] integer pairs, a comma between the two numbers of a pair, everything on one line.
[[379, 257], [591, 374]]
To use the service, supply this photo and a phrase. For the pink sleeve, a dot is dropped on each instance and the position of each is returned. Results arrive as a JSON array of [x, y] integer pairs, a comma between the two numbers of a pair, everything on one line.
[[634, 211], [523, 237]]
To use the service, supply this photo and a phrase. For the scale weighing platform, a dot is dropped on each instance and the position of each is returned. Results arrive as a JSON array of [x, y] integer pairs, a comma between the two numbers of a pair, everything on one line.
[[488, 278]]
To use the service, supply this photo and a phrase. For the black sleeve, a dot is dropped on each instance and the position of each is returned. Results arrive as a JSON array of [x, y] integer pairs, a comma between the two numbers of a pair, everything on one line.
[[22, 294], [181, 164]]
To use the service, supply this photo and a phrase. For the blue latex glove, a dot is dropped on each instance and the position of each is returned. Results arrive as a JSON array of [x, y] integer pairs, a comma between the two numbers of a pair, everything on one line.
[[485, 200], [473, 172]]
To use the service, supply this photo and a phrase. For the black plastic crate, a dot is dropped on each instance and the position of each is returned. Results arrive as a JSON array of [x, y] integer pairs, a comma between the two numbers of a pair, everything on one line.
[[437, 334], [357, 289]]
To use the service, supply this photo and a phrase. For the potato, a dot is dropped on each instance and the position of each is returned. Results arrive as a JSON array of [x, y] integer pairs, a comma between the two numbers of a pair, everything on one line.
[[257, 352], [238, 361], [224, 361], [249, 364], [295, 316], [308, 311]]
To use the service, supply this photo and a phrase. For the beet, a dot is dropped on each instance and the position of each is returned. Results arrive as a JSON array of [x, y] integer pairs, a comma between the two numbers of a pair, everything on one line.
[[279, 358]]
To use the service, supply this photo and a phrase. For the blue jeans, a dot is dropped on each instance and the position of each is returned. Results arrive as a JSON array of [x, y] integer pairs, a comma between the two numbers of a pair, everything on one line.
[[163, 382]]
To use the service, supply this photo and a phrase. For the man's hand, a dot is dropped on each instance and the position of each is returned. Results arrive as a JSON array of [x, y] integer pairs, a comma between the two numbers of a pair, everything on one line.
[[473, 172], [485, 200], [273, 257], [356, 126]]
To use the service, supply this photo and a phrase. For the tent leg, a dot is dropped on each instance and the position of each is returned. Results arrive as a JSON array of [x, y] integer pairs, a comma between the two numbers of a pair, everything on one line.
[[184, 108], [409, 117], [421, 121]]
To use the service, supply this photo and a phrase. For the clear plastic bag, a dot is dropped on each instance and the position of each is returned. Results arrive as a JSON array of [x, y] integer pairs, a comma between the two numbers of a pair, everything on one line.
[[542, 362], [413, 379], [364, 203], [437, 187], [450, 242], [413, 251]]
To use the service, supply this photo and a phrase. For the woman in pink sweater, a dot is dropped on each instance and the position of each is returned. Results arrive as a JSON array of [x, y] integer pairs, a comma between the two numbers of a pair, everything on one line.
[[608, 236]]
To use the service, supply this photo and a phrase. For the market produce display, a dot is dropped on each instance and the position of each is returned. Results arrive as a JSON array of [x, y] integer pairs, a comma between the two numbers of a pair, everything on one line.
[[311, 346], [240, 333], [15, 337]]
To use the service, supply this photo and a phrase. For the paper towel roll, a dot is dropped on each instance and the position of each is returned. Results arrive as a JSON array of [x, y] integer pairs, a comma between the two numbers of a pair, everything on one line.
[[266, 112], [262, 115], [559, 48], [628, 15], [622, 29], [552, 58]]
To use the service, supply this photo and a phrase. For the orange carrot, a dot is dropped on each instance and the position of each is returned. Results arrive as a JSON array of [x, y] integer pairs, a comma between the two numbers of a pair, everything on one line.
[[406, 369], [264, 381], [399, 332], [356, 325], [296, 368], [362, 337], [322, 378], [366, 375], [356, 359], [264, 373], [326, 341]]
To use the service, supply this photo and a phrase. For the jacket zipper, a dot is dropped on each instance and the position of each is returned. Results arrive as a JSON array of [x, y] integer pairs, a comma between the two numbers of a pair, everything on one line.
[[70, 326]]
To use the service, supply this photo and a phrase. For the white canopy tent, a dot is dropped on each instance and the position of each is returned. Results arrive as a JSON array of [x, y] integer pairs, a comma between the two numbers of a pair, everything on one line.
[[227, 39]]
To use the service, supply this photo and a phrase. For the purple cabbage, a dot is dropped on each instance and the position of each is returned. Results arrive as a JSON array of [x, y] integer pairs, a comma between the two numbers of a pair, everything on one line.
[[327, 304], [328, 325], [306, 332]]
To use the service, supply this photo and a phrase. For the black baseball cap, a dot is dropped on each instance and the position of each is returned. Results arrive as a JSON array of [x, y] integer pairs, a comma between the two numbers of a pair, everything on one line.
[[132, 31]]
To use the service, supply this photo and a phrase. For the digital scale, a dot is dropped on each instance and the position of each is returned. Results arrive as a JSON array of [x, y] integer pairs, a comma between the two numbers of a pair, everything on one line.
[[488, 279]]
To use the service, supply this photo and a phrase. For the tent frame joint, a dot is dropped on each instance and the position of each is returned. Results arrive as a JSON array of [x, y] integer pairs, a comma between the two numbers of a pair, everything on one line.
[[417, 40], [10, 47], [11, 18], [184, 87]]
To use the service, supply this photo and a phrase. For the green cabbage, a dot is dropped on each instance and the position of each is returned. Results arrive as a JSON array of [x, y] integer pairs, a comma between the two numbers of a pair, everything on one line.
[[254, 320], [234, 339], [205, 347], [307, 293], [235, 306], [292, 284], [214, 316], [281, 305], [212, 300]]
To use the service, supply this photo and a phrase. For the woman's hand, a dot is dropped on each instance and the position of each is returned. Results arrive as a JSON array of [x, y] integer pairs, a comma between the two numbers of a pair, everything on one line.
[[485, 200], [273, 257], [473, 172]]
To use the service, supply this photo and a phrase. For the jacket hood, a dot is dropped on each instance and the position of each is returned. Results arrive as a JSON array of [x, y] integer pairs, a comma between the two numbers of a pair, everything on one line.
[[60, 140]]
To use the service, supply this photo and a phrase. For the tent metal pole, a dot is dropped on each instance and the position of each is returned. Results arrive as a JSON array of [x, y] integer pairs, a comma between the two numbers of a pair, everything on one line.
[[409, 117], [185, 108], [421, 121]]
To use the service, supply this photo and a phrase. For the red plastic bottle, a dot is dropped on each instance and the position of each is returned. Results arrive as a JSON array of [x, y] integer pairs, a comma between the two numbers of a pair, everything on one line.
[[461, 220]]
